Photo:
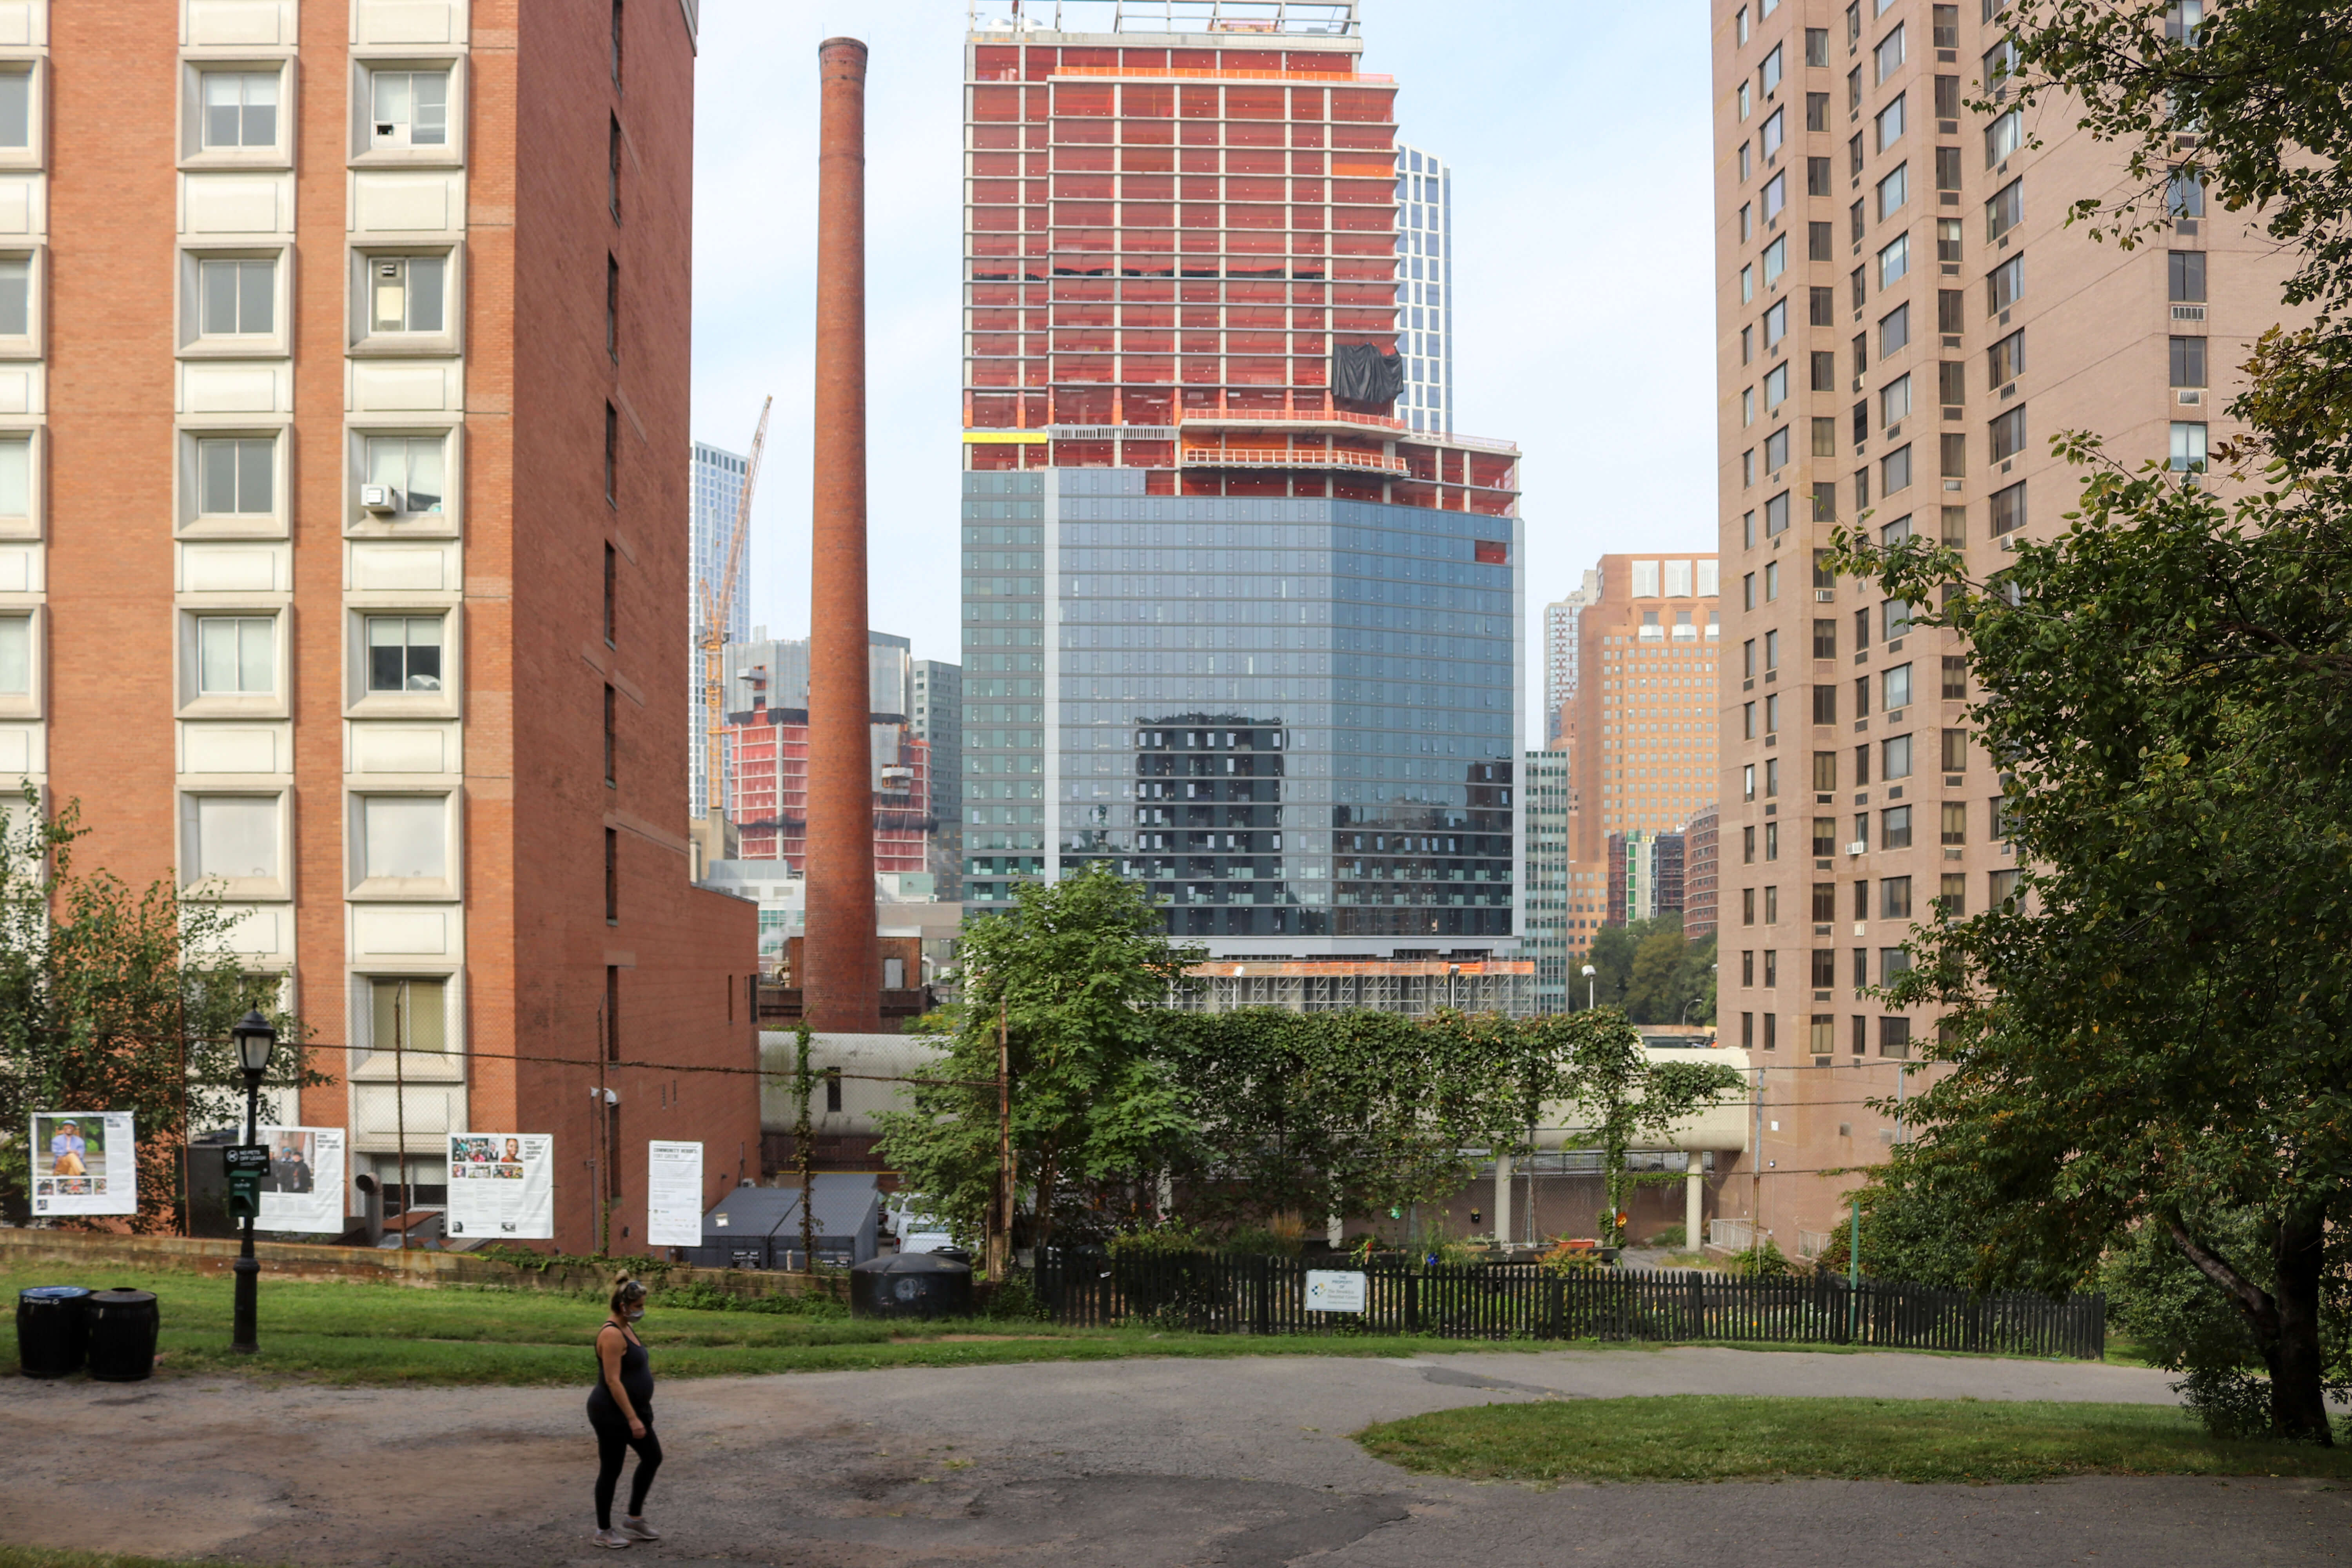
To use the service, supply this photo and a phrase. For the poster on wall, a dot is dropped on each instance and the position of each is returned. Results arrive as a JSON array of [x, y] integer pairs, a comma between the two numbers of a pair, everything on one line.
[[502, 1186], [84, 1161], [673, 1194], [304, 1190]]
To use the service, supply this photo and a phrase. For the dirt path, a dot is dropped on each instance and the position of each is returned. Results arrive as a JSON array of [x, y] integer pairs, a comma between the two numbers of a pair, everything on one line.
[[1137, 1464]]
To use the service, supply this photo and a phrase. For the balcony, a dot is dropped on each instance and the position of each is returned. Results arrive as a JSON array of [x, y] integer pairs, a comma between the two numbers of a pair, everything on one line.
[[1336, 419], [1290, 457]]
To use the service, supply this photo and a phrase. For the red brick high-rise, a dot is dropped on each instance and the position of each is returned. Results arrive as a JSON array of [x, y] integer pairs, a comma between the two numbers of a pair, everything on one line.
[[344, 541]]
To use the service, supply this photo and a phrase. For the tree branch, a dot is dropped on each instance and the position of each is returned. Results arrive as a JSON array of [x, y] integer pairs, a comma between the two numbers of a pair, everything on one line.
[[2255, 1300]]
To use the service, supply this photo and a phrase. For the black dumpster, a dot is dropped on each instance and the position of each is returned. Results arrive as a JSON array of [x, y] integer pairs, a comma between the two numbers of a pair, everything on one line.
[[910, 1285], [121, 1325], [50, 1328]]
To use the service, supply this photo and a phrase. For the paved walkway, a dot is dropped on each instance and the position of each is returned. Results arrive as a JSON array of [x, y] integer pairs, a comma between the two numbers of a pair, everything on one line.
[[1134, 1464]]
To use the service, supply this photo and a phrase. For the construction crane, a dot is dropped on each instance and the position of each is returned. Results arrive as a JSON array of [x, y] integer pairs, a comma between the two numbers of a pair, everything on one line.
[[717, 604]]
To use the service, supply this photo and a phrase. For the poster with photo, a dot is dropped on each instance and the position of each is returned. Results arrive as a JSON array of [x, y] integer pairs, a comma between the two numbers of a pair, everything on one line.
[[502, 1186], [304, 1189], [84, 1163], [673, 1194]]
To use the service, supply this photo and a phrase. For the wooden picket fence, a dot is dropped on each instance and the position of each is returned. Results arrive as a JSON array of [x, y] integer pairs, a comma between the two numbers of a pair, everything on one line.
[[1212, 1292]]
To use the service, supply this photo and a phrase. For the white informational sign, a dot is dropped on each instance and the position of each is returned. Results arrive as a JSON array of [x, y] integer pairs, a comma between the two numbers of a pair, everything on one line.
[[304, 1189], [673, 1194], [1334, 1291], [502, 1186], [84, 1161]]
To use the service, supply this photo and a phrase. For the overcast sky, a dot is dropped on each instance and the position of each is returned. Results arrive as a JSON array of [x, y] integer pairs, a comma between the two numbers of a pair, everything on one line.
[[1583, 324]]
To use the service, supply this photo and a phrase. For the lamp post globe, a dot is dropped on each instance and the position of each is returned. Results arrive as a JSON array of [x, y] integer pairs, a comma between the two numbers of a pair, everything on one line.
[[257, 1041], [1589, 986]]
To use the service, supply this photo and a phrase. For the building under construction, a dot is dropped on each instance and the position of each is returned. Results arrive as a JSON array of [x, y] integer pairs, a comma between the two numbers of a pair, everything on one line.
[[1416, 987]]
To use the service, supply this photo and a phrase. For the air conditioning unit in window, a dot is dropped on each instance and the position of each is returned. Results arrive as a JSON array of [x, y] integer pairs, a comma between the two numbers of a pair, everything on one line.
[[1859, 846], [379, 497], [1824, 595], [2189, 396]]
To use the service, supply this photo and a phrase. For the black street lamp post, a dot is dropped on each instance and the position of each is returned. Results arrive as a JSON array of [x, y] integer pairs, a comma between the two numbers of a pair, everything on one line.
[[255, 1040]]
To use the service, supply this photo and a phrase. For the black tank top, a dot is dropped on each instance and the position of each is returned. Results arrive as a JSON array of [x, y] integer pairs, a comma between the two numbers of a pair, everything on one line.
[[636, 1377]]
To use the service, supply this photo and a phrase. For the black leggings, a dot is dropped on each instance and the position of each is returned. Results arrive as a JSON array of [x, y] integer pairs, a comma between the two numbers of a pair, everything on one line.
[[613, 1442]]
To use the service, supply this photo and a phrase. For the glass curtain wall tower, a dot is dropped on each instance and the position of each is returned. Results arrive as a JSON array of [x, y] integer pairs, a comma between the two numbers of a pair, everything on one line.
[[715, 489], [1231, 626], [1425, 287]]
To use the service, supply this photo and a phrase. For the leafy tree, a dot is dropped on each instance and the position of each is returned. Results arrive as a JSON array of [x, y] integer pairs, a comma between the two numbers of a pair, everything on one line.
[[1650, 972], [1612, 1088], [117, 1000], [1072, 973], [2150, 1037]]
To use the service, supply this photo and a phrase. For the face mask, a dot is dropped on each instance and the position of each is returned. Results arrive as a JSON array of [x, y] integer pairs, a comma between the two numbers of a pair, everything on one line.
[[635, 1312]]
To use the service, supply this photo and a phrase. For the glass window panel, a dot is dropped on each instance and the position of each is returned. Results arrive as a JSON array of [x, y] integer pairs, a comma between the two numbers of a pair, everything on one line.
[[255, 656], [390, 98], [255, 297], [216, 285], [15, 108], [408, 1014], [217, 654], [15, 296], [431, 127], [254, 478], [15, 655], [405, 836], [17, 477], [261, 109], [235, 835], [424, 279]]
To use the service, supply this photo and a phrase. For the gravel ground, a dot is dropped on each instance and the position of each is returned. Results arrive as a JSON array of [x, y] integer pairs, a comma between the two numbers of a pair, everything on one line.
[[1135, 1464]]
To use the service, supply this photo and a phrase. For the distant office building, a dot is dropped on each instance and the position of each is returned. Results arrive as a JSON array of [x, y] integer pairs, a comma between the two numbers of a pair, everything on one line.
[[1700, 876], [1549, 934], [1645, 875], [714, 495], [1425, 301], [1561, 631], [1645, 701], [938, 721]]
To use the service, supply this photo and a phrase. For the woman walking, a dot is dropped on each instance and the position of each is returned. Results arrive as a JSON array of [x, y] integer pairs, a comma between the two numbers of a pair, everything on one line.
[[620, 1409]]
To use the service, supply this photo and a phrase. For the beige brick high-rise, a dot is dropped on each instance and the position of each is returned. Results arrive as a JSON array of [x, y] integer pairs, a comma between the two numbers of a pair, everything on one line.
[[342, 444], [1904, 321]]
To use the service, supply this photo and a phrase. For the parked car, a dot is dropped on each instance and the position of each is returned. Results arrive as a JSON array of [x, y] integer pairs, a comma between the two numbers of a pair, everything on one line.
[[917, 1230]]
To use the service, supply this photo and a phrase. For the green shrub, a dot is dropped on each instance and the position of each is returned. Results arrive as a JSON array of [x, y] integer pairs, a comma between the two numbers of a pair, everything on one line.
[[1763, 1261], [1159, 1241], [1015, 1301], [1673, 1235]]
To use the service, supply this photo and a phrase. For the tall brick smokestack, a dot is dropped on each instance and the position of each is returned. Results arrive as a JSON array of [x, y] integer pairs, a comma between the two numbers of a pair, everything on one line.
[[842, 983]]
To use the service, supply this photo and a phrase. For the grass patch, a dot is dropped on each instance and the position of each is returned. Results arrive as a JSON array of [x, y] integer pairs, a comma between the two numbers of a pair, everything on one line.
[[1707, 1438], [380, 1335]]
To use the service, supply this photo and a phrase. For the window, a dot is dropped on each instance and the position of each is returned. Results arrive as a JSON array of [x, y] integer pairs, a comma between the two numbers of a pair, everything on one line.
[[1772, 970], [1894, 898], [412, 468], [1956, 524], [1887, 57], [2188, 362], [1947, 240], [1948, 97], [2000, 63], [2005, 210], [612, 575], [1746, 344], [236, 655], [1951, 383], [15, 108], [1955, 678], [1895, 470], [1771, 656], [1776, 448], [403, 653], [2185, 275], [1894, 400], [1894, 618], [616, 41], [1894, 759], [1947, 20], [1894, 191], [613, 308], [612, 873], [1747, 222], [1775, 262], [1889, 122], [612, 738], [1825, 501], [1826, 770], [1817, 116], [407, 293], [2185, 196], [17, 655], [231, 836], [2009, 434], [2004, 136], [1956, 751], [1853, 154], [1956, 819], [1894, 260], [1746, 468], [1743, 102], [235, 475], [1824, 976], [2002, 887], [1955, 453], [1860, 837], [2187, 448], [408, 1014], [2009, 509], [237, 297], [1767, 75], [1746, 407], [1820, 299], [1776, 325], [1895, 688], [1855, 221], [1817, 46], [15, 296], [1947, 168], [1824, 634], [1825, 704], [409, 108], [2182, 19], [2005, 285], [1772, 906], [404, 836], [241, 108], [1776, 393], [1895, 827], [1949, 310], [611, 455], [1776, 511], [1952, 896], [1775, 132], [1772, 829], [1748, 283], [613, 169], [2006, 359], [1824, 435]]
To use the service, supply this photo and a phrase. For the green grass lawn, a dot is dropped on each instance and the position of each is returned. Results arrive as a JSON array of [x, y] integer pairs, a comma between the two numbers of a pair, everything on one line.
[[1705, 1437], [394, 1334]]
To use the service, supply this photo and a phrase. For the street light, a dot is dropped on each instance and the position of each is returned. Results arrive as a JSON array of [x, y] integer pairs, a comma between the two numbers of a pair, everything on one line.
[[1589, 984], [256, 1042]]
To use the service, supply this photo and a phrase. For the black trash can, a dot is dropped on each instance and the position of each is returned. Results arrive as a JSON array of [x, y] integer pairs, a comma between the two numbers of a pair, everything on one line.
[[910, 1285], [50, 1329], [122, 1323]]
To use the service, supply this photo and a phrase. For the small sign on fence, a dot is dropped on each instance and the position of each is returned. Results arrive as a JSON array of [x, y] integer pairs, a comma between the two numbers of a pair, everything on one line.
[[1334, 1291]]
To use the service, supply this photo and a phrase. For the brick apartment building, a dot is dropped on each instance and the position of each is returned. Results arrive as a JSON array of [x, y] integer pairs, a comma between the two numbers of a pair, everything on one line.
[[348, 415], [1906, 321]]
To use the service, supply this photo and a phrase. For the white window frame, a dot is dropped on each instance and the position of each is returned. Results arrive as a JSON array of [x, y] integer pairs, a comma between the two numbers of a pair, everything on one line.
[[364, 151], [29, 703], [33, 341], [443, 524], [361, 702], [373, 1066], [276, 344], [233, 888], [35, 153], [361, 335], [195, 523], [194, 154], [195, 702], [430, 890], [36, 440]]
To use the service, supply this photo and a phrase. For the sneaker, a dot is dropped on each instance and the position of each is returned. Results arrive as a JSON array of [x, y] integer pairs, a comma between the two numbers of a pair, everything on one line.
[[609, 1538], [638, 1529]]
